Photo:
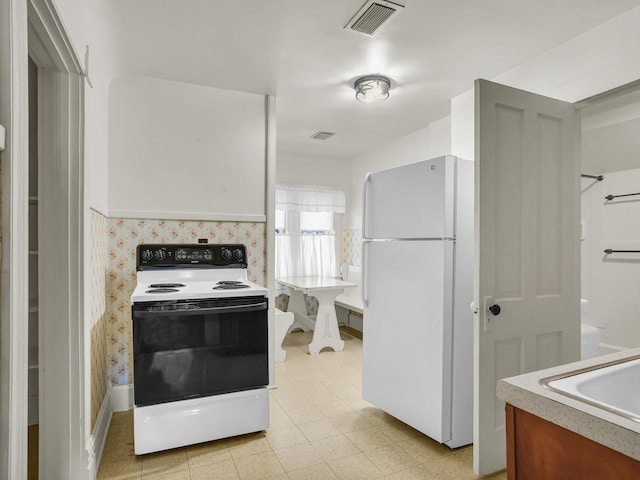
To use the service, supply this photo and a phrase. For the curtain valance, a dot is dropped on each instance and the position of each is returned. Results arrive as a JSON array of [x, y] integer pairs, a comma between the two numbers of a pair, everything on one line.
[[309, 200]]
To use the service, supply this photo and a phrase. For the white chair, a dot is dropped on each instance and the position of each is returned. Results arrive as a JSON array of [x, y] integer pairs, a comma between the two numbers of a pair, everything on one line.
[[282, 322], [351, 299]]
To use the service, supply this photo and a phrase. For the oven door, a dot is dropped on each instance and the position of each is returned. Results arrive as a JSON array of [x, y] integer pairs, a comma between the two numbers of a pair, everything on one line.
[[187, 349]]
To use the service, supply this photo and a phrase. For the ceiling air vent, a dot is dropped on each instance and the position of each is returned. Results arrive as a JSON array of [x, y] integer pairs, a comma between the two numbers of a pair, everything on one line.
[[372, 15], [322, 135]]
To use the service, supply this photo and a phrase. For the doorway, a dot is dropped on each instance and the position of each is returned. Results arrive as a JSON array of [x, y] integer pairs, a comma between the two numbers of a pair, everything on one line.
[[57, 283], [611, 152]]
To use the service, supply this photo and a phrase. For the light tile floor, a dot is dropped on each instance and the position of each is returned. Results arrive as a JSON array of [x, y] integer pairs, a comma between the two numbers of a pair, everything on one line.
[[320, 429]]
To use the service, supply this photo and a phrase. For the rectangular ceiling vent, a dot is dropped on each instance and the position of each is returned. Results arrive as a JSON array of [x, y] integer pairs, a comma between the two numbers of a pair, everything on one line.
[[372, 15], [322, 135]]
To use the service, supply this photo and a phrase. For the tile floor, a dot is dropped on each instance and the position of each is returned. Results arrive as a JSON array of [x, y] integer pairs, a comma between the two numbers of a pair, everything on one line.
[[320, 429]]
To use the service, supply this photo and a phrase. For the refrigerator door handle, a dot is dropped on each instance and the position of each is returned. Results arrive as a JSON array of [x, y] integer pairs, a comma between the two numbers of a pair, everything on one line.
[[363, 290], [365, 190]]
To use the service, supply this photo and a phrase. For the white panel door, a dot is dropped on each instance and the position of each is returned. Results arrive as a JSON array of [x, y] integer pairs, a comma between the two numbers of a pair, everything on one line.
[[406, 370], [412, 201], [527, 248]]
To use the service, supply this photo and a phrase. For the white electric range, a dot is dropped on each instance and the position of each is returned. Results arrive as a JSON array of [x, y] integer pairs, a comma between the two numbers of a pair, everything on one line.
[[200, 346]]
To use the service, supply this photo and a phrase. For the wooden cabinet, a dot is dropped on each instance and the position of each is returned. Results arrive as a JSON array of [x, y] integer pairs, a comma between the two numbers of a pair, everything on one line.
[[538, 449]]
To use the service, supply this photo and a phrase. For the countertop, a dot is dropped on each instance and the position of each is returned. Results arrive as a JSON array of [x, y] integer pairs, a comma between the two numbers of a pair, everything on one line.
[[614, 431]]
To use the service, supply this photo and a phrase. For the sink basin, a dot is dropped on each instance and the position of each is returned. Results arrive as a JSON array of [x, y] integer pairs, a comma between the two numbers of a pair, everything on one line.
[[612, 386]]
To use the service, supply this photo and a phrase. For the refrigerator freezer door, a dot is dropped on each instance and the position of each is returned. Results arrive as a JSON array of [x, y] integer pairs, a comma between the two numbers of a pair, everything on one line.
[[412, 201], [407, 342]]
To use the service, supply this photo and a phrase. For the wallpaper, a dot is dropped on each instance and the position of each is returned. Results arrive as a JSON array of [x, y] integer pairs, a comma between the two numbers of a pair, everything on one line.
[[98, 257], [97, 284], [351, 246], [124, 235]]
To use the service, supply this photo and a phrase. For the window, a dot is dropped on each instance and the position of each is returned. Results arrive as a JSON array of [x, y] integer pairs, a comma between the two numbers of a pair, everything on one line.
[[305, 232], [280, 221], [320, 223]]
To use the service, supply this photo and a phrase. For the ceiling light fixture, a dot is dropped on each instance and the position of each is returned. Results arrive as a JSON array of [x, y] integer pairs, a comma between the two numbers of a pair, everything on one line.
[[372, 88]]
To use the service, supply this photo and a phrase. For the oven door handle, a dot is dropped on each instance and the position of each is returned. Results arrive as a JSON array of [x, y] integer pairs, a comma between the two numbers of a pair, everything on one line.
[[203, 311]]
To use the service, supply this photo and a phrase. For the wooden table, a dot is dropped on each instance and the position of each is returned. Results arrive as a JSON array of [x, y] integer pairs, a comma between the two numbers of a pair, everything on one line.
[[325, 289]]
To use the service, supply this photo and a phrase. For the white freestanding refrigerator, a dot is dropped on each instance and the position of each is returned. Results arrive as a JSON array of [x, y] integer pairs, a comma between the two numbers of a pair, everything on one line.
[[417, 285]]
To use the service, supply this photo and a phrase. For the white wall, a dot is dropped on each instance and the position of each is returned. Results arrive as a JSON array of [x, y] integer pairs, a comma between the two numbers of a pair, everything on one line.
[[610, 282], [87, 23], [610, 140], [432, 141], [185, 151], [462, 125], [96, 141], [312, 170], [317, 171], [596, 61]]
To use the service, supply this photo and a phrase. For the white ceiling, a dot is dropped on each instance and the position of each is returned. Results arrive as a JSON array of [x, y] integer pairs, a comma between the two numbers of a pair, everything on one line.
[[298, 51]]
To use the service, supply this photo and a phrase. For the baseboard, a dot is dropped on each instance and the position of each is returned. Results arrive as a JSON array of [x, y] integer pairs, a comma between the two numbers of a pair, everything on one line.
[[351, 331], [121, 398], [95, 445]]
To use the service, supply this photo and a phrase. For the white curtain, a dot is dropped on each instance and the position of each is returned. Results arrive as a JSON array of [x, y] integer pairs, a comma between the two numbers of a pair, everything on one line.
[[299, 199], [305, 255]]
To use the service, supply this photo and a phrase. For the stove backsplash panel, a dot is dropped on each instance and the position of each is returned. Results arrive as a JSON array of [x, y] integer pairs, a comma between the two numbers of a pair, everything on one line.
[[124, 235]]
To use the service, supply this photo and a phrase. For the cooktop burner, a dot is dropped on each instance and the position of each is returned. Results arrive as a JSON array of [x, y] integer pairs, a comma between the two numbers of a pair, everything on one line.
[[162, 290], [230, 285], [230, 282], [167, 285]]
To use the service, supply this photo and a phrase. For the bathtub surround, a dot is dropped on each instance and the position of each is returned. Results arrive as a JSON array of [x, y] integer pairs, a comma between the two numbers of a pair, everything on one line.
[[609, 282]]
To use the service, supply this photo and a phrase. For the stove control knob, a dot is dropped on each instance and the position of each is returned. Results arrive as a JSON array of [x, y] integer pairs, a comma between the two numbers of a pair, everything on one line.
[[147, 255], [237, 254], [226, 253], [160, 255]]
